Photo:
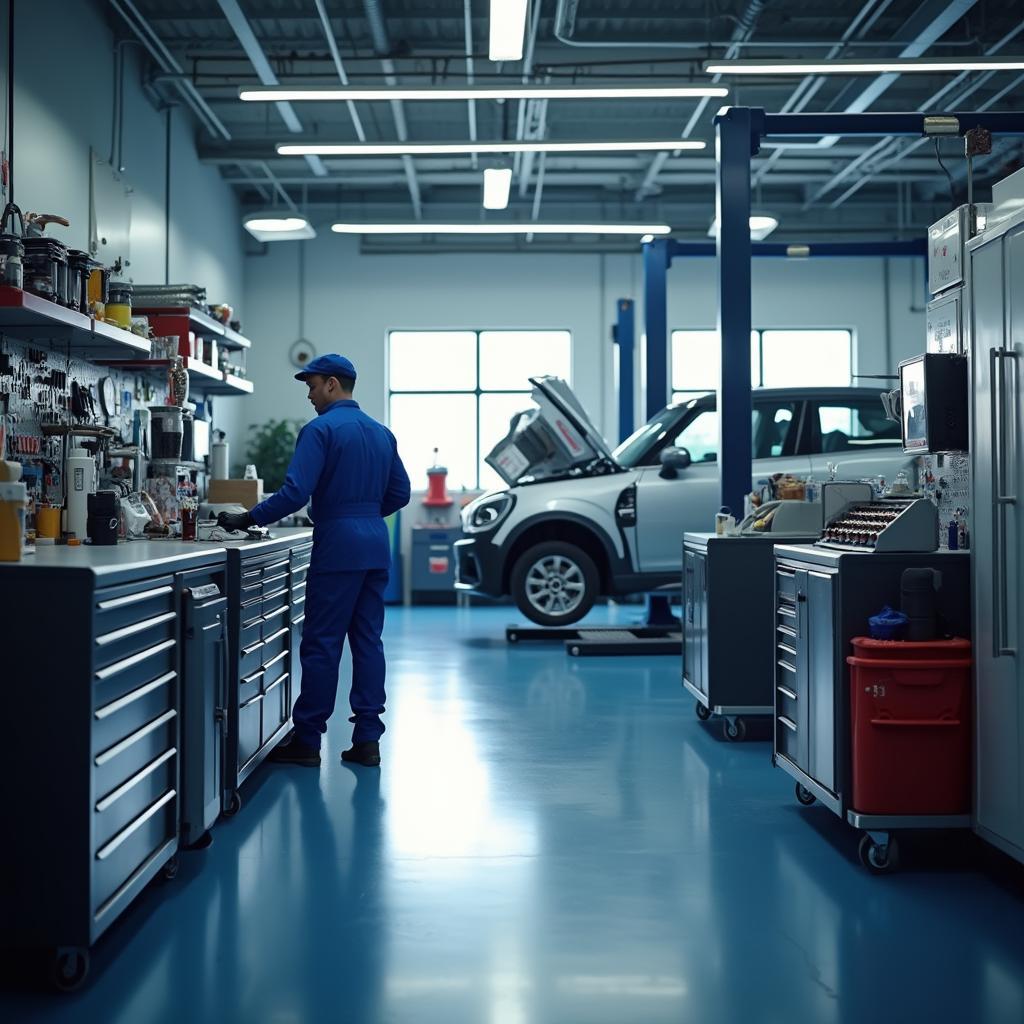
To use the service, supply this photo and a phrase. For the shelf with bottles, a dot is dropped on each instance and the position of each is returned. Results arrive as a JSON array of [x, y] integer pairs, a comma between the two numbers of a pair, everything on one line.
[[203, 378]]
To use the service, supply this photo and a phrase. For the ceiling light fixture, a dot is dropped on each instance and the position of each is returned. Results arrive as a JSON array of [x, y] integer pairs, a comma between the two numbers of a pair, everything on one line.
[[325, 94], [497, 185], [761, 226], [907, 65], [276, 226], [508, 27], [456, 148], [508, 228]]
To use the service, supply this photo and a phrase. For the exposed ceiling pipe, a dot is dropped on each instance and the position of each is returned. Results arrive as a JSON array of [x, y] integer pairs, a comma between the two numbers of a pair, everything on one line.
[[251, 45], [529, 112], [278, 187], [167, 63], [887, 145], [332, 45], [467, 16], [381, 46], [744, 29]]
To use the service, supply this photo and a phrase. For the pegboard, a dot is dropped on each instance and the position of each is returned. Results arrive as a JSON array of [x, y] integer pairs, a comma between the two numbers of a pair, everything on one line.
[[946, 481], [35, 389]]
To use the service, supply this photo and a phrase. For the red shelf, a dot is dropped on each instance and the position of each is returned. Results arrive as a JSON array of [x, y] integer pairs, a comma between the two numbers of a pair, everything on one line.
[[197, 321]]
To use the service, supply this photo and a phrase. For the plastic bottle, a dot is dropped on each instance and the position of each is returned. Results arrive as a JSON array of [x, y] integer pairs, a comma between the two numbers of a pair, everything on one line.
[[12, 512], [81, 482], [219, 457]]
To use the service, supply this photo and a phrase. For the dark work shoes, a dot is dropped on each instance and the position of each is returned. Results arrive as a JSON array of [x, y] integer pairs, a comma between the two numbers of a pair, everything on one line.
[[367, 754], [295, 752]]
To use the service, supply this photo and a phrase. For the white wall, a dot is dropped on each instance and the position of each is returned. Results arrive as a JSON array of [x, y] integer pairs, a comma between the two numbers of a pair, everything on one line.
[[64, 89], [352, 301]]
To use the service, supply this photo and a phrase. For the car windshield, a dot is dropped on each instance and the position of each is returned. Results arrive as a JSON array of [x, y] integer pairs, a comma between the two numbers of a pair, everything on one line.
[[636, 446]]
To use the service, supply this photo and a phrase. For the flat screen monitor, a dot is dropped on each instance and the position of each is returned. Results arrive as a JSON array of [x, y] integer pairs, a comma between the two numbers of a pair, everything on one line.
[[914, 405], [933, 403]]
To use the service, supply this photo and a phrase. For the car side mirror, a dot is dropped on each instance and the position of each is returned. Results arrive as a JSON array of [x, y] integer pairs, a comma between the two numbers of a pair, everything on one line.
[[672, 461]]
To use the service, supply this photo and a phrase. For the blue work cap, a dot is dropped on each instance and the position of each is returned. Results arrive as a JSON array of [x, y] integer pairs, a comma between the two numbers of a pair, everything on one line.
[[330, 365]]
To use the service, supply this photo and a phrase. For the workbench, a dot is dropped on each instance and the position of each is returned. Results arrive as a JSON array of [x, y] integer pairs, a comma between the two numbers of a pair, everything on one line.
[[144, 682]]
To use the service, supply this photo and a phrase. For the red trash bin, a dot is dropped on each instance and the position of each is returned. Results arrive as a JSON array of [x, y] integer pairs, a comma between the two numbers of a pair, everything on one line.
[[910, 735]]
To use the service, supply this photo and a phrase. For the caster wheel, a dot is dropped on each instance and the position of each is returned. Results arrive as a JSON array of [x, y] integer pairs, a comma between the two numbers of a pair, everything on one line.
[[734, 731], [702, 712], [204, 841], [170, 870], [234, 804], [69, 969], [805, 796], [879, 858], [512, 638], [574, 651]]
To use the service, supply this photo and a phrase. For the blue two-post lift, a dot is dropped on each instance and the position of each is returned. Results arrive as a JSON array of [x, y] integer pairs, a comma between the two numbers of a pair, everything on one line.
[[740, 131]]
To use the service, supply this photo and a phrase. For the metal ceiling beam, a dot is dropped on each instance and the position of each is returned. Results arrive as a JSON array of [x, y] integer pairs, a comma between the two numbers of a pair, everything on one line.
[[467, 18], [381, 46], [332, 45], [250, 44]]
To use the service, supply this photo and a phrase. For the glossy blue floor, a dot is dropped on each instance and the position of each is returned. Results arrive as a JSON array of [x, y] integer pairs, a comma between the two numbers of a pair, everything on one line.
[[550, 840]]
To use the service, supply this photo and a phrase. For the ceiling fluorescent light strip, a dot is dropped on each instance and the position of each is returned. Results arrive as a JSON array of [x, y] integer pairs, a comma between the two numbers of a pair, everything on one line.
[[511, 228], [456, 148], [511, 92], [507, 30], [862, 67], [497, 185]]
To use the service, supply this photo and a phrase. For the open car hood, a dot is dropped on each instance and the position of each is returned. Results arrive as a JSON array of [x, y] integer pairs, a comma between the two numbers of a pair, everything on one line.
[[555, 439]]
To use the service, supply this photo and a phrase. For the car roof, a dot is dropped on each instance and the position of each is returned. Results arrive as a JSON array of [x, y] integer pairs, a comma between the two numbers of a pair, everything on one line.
[[793, 394]]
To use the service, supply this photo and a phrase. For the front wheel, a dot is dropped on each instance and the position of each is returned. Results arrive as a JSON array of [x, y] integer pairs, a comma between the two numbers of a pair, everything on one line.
[[554, 583]]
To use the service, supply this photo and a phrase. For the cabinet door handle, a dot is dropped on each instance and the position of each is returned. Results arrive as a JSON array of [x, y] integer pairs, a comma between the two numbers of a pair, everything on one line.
[[142, 595], [1000, 502]]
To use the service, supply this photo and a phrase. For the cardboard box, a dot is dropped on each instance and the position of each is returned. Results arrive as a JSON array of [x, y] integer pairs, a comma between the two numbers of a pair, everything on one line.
[[246, 493]]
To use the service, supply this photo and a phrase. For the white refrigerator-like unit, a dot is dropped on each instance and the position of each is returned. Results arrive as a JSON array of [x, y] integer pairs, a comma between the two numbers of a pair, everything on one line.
[[995, 340]]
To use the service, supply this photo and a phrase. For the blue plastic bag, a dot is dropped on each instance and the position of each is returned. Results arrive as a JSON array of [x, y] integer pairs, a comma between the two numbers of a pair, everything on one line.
[[888, 624]]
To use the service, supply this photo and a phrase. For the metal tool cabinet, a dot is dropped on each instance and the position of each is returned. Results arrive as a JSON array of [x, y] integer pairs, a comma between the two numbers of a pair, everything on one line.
[[262, 635], [823, 598], [91, 757], [728, 634]]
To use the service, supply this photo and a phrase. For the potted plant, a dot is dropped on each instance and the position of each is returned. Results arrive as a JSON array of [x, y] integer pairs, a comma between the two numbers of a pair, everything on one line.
[[270, 449]]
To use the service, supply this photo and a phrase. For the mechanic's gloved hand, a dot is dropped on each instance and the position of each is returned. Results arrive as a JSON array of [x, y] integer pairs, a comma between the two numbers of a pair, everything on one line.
[[234, 520]]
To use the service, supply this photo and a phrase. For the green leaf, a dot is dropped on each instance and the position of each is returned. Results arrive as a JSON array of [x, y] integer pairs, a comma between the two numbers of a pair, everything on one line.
[[270, 449]]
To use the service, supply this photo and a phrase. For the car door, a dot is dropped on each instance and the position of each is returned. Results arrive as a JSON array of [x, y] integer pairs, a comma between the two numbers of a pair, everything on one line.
[[668, 508], [853, 435]]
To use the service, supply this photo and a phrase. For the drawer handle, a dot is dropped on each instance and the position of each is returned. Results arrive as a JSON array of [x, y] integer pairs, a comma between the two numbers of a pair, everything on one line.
[[252, 678], [787, 649], [138, 627], [135, 779], [273, 661], [786, 665], [786, 630], [274, 636], [296, 587], [917, 723], [276, 565], [787, 610], [274, 579], [134, 695], [787, 691], [276, 593], [135, 659], [254, 621], [788, 723], [253, 574], [302, 618], [117, 748], [274, 685], [249, 703], [274, 614], [142, 595], [105, 851], [298, 601], [246, 651]]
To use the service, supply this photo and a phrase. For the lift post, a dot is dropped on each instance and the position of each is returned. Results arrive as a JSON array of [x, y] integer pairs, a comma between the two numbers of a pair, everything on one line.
[[624, 336]]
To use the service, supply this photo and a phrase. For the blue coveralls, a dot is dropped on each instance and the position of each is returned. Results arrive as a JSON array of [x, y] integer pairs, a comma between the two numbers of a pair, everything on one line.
[[349, 464]]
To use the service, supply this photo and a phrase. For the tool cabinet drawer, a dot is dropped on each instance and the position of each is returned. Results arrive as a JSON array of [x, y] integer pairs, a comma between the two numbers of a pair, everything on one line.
[[249, 729], [298, 593], [123, 804], [117, 644], [250, 633], [129, 603], [299, 575], [274, 565], [250, 657], [277, 581], [274, 644], [126, 674], [117, 763], [301, 555], [273, 620], [275, 708], [274, 599], [274, 669], [786, 696], [116, 861], [123, 715], [785, 583], [249, 686], [786, 738]]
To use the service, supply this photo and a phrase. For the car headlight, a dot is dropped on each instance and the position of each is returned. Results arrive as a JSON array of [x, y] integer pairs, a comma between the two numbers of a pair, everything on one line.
[[487, 513]]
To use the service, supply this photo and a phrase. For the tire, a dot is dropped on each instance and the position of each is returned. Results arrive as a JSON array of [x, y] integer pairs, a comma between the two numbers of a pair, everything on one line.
[[554, 583]]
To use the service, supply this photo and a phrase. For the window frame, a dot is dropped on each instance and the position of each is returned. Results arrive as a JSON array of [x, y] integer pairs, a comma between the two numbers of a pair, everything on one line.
[[477, 392]]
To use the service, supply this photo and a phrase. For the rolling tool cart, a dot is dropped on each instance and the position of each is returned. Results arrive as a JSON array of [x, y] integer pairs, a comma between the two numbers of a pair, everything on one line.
[[727, 594], [824, 598]]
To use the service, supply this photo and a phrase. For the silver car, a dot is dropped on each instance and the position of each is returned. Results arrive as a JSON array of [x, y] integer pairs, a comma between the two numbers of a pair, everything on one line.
[[579, 520]]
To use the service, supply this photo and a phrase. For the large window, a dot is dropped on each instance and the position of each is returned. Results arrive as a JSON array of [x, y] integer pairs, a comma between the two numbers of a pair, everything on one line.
[[456, 391], [801, 357]]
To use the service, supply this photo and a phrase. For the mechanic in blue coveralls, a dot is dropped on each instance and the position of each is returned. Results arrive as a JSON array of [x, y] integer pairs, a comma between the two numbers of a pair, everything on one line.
[[350, 466]]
